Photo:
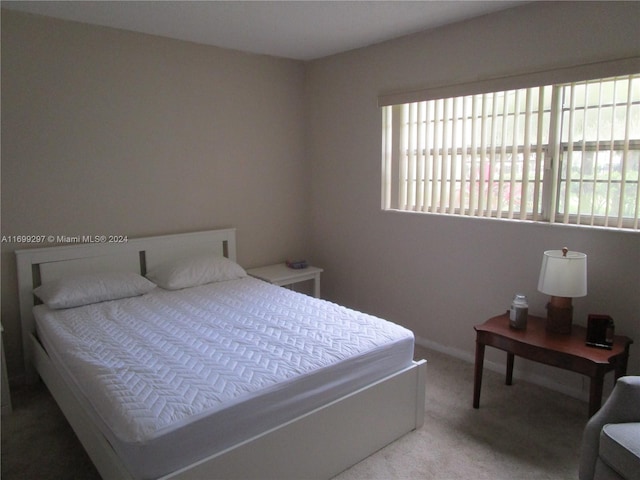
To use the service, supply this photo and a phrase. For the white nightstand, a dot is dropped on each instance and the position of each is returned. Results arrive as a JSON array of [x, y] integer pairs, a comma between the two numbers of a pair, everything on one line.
[[6, 395], [282, 275]]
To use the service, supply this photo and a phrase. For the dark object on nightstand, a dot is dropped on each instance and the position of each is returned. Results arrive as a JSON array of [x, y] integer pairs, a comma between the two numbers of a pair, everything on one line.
[[297, 264]]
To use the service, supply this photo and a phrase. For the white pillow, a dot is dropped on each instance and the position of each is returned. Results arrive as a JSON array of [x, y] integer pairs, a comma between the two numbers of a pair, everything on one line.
[[78, 290], [193, 271]]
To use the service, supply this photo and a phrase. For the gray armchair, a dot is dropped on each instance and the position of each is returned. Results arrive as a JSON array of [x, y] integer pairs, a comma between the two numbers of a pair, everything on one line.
[[611, 440]]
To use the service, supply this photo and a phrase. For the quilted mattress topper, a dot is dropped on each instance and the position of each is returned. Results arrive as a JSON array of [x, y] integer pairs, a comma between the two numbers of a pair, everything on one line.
[[151, 364]]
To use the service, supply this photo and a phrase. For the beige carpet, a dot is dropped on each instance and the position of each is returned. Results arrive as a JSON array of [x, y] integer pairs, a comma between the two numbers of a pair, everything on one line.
[[519, 432]]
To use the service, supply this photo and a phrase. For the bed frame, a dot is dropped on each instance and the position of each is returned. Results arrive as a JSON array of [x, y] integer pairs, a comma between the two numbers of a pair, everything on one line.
[[319, 444]]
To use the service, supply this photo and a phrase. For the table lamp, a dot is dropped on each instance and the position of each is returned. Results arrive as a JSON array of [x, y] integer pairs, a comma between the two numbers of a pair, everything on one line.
[[563, 276]]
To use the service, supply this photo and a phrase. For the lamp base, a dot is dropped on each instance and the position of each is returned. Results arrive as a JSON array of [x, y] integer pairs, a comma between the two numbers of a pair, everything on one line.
[[559, 318]]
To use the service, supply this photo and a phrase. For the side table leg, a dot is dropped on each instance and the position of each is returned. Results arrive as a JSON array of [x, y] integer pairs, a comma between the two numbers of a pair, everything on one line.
[[595, 392], [509, 379], [621, 365], [477, 380]]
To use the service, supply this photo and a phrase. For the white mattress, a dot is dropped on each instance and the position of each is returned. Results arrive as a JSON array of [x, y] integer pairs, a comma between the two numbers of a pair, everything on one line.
[[172, 377]]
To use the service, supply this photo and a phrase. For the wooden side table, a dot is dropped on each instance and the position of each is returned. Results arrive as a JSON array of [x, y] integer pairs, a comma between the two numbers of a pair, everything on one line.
[[280, 274], [566, 351]]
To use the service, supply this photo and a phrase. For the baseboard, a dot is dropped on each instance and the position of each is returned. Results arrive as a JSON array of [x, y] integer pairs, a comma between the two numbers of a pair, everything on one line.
[[500, 368]]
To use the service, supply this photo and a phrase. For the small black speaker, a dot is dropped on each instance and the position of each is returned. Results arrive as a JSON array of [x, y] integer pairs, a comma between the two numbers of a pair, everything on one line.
[[600, 330]]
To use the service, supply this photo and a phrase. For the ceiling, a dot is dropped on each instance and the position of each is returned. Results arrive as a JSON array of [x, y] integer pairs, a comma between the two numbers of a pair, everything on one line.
[[302, 30]]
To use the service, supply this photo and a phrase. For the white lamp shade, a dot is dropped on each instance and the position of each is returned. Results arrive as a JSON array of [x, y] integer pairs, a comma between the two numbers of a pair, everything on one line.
[[563, 276]]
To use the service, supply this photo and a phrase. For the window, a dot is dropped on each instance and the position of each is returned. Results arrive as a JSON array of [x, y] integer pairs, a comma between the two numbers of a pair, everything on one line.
[[566, 153]]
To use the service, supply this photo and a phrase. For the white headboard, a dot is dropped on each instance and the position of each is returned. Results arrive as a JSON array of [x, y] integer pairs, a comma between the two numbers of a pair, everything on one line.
[[39, 265]]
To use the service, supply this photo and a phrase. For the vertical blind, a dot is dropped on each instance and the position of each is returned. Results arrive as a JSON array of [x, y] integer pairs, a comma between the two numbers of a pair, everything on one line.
[[600, 152], [565, 153]]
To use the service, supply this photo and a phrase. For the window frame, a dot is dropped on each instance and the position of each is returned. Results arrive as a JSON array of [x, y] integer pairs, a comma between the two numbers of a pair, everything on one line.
[[550, 168]]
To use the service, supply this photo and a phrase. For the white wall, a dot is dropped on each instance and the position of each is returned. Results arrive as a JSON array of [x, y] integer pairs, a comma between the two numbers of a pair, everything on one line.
[[111, 132], [439, 275]]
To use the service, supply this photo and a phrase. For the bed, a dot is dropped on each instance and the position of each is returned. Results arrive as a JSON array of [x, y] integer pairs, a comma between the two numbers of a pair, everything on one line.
[[223, 377]]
